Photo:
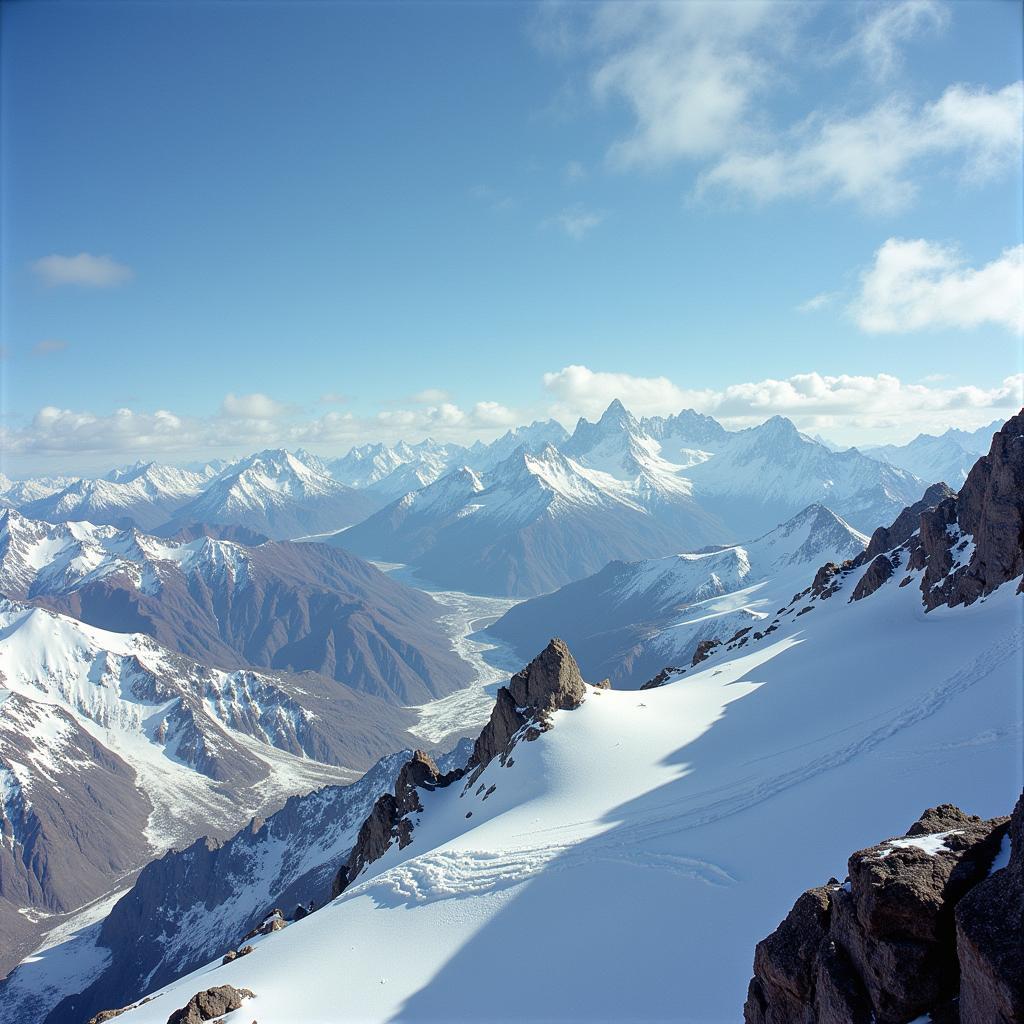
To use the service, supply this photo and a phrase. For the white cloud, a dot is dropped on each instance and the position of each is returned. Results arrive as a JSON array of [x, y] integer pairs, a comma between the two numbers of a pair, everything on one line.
[[850, 405], [870, 158], [699, 78], [84, 270], [885, 27], [576, 221], [581, 391], [916, 284], [816, 302], [688, 71], [431, 396], [252, 407]]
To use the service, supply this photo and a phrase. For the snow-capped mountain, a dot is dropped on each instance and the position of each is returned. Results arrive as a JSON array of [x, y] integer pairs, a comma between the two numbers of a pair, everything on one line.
[[144, 495], [632, 619], [112, 747], [295, 607], [17, 493], [768, 473], [534, 437], [531, 524], [945, 458], [686, 438], [276, 493], [630, 816]]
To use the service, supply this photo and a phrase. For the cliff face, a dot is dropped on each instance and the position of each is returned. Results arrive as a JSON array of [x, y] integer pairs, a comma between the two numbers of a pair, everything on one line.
[[964, 545], [929, 923]]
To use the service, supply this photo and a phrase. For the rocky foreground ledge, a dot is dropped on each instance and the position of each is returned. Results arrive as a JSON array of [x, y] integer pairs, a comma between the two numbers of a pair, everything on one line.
[[928, 926]]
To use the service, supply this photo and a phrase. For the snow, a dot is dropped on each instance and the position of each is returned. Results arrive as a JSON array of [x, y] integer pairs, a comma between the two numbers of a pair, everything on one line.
[[930, 844], [466, 710], [1002, 858], [105, 681], [618, 846]]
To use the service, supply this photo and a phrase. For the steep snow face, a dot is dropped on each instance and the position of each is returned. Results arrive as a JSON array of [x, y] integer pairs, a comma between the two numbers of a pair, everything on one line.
[[773, 470], [686, 432], [278, 494], [205, 744], [144, 495], [38, 558], [391, 472], [632, 619], [670, 826]]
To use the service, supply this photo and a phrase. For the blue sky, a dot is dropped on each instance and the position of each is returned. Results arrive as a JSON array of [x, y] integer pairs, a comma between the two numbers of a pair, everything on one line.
[[323, 223]]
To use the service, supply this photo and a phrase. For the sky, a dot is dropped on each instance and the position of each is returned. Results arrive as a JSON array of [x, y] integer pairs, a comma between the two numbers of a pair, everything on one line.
[[230, 225]]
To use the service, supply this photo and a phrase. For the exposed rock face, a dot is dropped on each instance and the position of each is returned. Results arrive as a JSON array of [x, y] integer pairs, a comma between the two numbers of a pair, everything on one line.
[[210, 1004], [990, 939], [551, 682], [883, 946], [704, 649], [967, 544], [389, 821]]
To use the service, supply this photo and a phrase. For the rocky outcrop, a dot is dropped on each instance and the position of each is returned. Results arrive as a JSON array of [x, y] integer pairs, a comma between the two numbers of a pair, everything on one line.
[[523, 709], [964, 544], [551, 682], [704, 649], [990, 938], [389, 821], [883, 946], [210, 1004]]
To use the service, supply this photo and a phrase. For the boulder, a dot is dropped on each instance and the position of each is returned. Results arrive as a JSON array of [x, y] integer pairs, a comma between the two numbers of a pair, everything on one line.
[[210, 1004]]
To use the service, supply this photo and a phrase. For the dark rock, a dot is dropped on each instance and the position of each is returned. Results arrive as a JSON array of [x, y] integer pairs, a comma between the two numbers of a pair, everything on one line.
[[551, 682], [703, 650], [882, 947], [210, 1004], [389, 821], [880, 569], [662, 677], [990, 940]]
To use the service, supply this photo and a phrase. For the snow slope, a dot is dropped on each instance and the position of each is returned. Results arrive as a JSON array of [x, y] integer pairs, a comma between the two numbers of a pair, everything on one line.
[[628, 860], [631, 619], [945, 458]]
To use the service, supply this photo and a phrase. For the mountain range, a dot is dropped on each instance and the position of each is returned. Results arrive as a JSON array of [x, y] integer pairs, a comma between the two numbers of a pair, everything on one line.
[[627, 817], [276, 605], [758, 709], [631, 619]]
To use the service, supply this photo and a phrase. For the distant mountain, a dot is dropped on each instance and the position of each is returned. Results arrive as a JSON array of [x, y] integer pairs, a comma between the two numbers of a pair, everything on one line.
[[687, 437], [946, 458], [632, 619], [533, 438], [144, 495], [529, 525], [112, 746], [281, 606], [768, 473], [275, 493], [18, 493]]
